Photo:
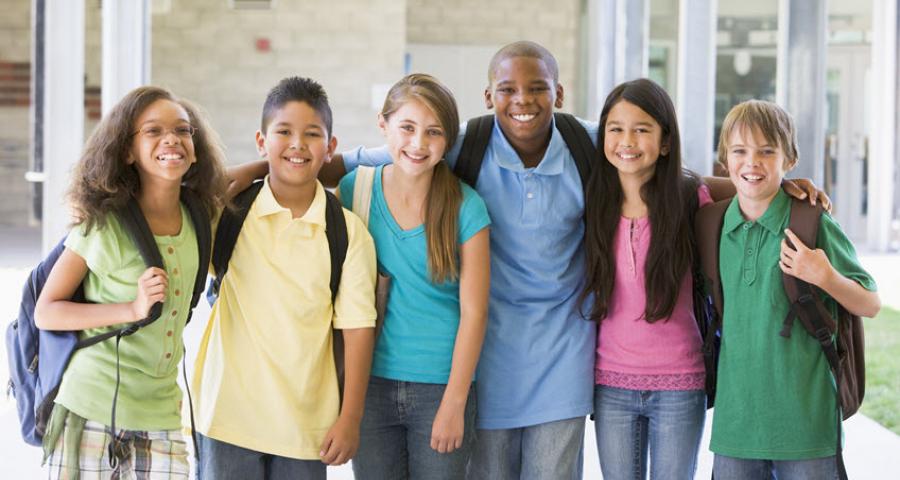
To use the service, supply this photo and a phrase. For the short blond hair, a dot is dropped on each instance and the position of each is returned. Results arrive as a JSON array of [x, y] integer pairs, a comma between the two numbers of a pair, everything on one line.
[[772, 121]]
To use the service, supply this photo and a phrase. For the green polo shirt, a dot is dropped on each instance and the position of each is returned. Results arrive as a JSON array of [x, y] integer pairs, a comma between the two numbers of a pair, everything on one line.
[[775, 395], [149, 398]]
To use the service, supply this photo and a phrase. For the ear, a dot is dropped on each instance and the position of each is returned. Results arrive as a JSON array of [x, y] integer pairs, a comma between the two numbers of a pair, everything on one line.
[[260, 144], [488, 103], [664, 148], [382, 124], [559, 96], [332, 146]]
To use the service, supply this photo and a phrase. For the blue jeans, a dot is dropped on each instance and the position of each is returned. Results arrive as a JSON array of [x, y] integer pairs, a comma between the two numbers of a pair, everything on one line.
[[631, 424], [730, 468], [395, 434], [551, 451], [224, 461]]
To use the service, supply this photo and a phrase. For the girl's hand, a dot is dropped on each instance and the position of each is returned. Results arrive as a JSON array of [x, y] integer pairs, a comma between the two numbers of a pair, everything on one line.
[[811, 266], [448, 428], [152, 286], [801, 188], [341, 442]]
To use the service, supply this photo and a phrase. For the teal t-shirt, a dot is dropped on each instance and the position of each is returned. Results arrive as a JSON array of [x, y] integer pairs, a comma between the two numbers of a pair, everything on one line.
[[775, 396], [421, 318]]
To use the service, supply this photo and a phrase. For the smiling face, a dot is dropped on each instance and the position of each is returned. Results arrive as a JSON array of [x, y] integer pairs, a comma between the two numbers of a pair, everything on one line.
[[632, 141], [415, 137], [523, 94], [755, 166], [296, 144], [163, 146]]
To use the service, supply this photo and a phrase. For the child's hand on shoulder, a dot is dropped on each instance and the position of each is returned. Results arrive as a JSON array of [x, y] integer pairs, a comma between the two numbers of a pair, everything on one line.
[[341, 442], [152, 286], [810, 265], [448, 428]]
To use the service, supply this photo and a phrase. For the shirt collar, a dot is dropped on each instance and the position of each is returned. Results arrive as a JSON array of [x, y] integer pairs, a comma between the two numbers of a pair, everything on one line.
[[552, 163], [267, 205], [773, 220]]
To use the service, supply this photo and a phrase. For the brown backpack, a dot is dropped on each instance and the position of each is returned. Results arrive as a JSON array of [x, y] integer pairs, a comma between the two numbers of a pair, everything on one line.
[[845, 356]]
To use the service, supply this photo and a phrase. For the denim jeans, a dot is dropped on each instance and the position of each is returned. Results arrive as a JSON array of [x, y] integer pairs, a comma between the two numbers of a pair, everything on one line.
[[224, 461], [395, 434], [730, 468], [551, 451], [634, 424]]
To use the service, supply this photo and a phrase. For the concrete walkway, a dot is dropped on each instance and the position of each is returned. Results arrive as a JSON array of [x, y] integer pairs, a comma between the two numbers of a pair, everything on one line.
[[872, 452]]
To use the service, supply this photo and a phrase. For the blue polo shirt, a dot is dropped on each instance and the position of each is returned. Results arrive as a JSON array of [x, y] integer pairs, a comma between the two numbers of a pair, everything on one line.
[[537, 361]]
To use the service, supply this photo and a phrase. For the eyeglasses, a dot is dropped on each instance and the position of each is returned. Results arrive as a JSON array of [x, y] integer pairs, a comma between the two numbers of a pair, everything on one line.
[[182, 131]]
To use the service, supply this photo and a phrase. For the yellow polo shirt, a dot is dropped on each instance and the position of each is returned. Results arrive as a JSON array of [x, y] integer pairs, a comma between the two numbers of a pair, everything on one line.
[[265, 377]]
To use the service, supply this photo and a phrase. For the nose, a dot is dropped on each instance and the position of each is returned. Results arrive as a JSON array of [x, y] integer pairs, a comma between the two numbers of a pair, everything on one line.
[[523, 97], [170, 138], [419, 140]]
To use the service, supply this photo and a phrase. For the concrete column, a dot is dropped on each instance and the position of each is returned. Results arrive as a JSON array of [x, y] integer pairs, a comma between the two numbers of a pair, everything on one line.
[[697, 28], [63, 110], [634, 39], [884, 151], [800, 84], [617, 50], [126, 49]]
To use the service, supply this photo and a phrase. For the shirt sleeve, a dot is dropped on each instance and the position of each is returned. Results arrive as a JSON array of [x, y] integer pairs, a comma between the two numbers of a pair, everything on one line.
[[473, 214], [841, 252], [345, 187], [365, 156], [99, 248], [354, 306]]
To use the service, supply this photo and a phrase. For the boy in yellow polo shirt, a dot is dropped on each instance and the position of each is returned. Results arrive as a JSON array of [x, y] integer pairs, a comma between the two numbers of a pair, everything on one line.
[[268, 402]]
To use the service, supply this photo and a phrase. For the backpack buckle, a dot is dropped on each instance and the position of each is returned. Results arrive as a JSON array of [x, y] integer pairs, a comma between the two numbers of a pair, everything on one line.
[[823, 335], [806, 298]]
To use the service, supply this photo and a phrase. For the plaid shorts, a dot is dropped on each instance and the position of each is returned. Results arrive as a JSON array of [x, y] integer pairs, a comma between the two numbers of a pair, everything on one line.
[[141, 455]]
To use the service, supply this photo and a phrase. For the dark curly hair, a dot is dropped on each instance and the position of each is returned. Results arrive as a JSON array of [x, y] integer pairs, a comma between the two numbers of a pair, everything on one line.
[[103, 180]]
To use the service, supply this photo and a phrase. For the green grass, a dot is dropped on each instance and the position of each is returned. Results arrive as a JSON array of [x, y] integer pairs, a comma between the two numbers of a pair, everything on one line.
[[882, 400]]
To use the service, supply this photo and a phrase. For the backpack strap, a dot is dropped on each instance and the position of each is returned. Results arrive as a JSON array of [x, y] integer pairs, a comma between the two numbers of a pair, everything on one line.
[[136, 225], [200, 219], [227, 232], [336, 232], [471, 153], [708, 231], [362, 192], [580, 145]]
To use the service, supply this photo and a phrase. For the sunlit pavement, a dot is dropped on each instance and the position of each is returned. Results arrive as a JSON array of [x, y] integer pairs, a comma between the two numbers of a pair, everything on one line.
[[872, 452]]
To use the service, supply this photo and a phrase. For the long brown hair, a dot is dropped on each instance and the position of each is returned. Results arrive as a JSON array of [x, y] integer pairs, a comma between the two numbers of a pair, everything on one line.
[[444, 193], [103, 181], [669, 197]]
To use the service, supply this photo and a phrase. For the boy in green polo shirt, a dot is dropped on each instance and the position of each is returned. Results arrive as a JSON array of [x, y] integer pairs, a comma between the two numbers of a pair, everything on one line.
[[775, 402]]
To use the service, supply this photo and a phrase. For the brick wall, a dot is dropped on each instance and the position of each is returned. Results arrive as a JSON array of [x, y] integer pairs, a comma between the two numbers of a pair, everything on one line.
[[551, 23]]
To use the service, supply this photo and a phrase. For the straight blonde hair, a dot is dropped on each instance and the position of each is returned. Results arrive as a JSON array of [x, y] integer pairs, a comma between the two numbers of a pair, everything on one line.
[[444, 194]]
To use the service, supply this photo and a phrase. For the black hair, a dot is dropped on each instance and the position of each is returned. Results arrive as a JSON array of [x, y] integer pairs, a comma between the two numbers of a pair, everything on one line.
[[297, 89]]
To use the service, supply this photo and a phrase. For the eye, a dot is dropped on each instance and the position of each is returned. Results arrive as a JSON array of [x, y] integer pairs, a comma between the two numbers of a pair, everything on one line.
[[614, 129], [283, 132], [768, 152], [542, 88], [435, 132], [737, 151], [642, 130], [152, 132], [506, 90], [313, 133], [184, 131], [407, 128]]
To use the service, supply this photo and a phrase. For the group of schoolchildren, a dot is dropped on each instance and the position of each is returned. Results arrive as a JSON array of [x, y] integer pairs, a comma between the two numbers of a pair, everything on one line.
[[515, 306]]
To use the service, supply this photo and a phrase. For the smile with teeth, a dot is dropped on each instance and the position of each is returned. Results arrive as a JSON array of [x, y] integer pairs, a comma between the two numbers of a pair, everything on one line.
[[752, 178], [168, 157], [297, 160], [524, 117], [415, 158], [628, 156]]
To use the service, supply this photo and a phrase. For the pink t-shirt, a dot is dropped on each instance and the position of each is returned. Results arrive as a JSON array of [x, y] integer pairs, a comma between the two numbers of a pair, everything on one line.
[[637, 355]]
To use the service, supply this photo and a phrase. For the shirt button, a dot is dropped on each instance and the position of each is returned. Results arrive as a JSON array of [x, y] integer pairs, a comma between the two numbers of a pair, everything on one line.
[[177, 292], [171, 250], [169, 355], [174, 312], [175, 271], [529, 195], [749, 251], [746, 226], [169, 333]]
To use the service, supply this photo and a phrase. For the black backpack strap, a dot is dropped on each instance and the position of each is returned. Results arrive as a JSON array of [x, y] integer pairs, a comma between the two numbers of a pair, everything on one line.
[[227, 232], [471, 153], [200, 219], [136, 225], [579, 143], [336, 232], [708, 231]]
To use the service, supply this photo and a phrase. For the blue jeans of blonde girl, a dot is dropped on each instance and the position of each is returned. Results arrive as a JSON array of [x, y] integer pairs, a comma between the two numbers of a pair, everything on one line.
[[730, 468], [632, 425], [395, 434]]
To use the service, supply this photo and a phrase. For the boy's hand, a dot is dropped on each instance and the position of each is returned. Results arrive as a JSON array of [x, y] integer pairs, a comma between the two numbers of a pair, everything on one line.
[[152, 286], [811, 266], [801, 188], [341, 442], [448, 428]]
